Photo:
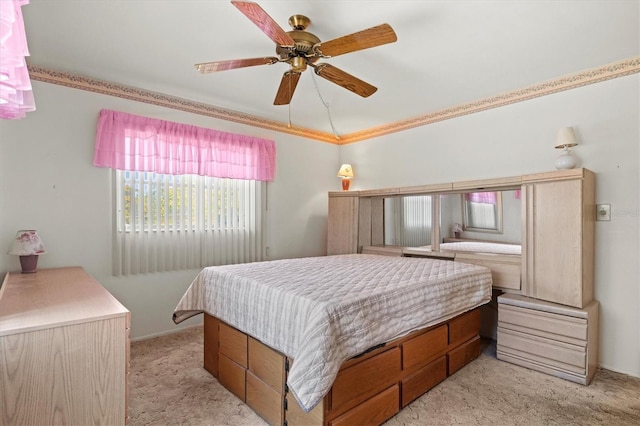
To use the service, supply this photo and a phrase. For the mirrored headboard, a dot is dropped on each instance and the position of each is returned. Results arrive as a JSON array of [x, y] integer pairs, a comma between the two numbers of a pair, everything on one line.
[[480, 216]]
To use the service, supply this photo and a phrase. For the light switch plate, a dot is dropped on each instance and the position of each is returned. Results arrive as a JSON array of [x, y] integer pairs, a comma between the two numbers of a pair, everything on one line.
[[603, 212]]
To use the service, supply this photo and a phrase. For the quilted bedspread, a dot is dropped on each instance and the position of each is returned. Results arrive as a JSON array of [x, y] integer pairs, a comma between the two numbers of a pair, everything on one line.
[[321, 311], [482, 247]]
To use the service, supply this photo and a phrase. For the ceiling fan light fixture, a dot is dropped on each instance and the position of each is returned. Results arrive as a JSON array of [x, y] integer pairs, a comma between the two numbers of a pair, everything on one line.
[[298, 64]]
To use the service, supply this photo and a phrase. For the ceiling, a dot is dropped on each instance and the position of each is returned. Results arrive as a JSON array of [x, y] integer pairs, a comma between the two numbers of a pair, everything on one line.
[[448, 53]]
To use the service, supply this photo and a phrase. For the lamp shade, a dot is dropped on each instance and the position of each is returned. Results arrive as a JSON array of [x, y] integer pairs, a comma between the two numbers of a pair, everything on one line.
[[346, 171], [27, 243], [566, 138]]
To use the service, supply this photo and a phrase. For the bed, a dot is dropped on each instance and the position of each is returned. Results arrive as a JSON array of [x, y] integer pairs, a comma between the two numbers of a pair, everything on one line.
[[314, 332]]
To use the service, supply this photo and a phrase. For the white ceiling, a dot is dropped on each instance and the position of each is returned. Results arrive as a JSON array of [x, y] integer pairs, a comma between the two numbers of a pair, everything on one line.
[[448, 52]]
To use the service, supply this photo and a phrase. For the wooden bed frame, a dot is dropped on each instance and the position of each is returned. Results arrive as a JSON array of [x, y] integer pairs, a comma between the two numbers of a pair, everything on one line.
[[369, 388]]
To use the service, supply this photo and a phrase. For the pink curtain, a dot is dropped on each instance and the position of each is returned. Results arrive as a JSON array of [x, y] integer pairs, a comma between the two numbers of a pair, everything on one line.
[[131, 142], [16, 97], [482, 197]]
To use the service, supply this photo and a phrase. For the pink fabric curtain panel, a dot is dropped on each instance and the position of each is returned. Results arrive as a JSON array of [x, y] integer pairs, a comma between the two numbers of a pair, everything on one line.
[[131, 142], [16, 97], [482, 197]]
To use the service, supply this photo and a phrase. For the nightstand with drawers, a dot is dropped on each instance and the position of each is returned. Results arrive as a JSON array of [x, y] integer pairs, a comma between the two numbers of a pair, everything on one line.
[[555, 339]]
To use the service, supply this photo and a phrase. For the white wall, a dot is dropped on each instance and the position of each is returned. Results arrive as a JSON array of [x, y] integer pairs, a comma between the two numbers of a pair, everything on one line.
[[48, 183], [519, 139]]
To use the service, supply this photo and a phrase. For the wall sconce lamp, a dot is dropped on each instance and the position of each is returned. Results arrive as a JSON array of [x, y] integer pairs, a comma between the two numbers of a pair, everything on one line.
[[346, 173], [28, 246], [566, 139]]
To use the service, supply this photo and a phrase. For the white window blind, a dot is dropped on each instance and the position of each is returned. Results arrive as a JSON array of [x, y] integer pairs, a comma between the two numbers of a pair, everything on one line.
[[481, 215], [408, 220], [174, 222]]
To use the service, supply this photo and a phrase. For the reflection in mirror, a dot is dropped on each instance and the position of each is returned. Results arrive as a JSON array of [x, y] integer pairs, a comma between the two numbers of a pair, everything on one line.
[[407, 220], [482, 211], [452, 213]]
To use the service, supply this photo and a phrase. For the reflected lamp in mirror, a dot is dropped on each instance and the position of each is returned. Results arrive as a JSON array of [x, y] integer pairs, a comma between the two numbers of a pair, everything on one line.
[[28, 246], [566, 139], [457, 230], [346, 173]]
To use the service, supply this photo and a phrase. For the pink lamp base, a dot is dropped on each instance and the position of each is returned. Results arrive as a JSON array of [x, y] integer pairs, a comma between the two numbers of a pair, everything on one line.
[[29, 263]]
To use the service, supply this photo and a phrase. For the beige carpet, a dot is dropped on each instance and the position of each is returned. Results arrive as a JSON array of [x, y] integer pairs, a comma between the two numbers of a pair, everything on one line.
[[169, 387]]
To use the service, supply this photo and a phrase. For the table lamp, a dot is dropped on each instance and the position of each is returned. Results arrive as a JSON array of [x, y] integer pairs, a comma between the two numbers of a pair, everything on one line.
[[346, 173], [566, 139], [28, 246]]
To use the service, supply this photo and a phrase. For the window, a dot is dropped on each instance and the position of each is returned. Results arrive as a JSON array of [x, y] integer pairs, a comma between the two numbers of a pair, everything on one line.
[[171, 222], [184, 196], [482, 211]]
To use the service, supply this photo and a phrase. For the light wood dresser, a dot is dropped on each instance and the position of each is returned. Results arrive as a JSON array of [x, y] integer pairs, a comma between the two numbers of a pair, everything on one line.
[[555, 339], [64, 350]]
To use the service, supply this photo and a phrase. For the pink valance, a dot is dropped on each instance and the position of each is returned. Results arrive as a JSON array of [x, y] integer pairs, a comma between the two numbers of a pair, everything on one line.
[[131, 142], [16, 97], [482, 197]]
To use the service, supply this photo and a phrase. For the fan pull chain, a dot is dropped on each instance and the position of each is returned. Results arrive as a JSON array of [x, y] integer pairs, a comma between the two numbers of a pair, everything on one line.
[[289, 104], [333, 129]]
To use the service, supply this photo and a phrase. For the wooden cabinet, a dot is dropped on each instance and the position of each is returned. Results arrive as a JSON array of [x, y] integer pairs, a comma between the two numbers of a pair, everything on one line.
[[558, 236], [548, 337], [558, 229], [64, 350], [342, 224]]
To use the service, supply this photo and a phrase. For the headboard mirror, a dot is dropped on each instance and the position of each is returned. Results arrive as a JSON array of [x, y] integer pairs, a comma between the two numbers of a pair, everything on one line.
[[482, 216]]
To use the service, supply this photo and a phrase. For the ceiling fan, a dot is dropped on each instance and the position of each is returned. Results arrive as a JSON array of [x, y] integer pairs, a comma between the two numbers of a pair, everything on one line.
[[299, 48]]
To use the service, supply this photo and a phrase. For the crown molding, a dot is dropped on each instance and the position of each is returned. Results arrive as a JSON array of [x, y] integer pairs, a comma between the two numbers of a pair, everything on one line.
[[571, 81], [89, 84]]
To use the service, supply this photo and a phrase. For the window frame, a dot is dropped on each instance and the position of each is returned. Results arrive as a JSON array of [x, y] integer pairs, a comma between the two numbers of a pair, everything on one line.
[[467, 223]]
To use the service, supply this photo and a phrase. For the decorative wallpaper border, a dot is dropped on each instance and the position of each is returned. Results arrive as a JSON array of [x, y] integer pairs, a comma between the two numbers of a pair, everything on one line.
[[75, 81], [572, 81]]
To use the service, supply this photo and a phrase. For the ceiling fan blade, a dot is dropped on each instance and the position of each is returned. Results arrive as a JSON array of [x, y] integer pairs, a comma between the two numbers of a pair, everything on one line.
[[287, 87], [365, 39], [267, 25], [346, 80], [207, 67]]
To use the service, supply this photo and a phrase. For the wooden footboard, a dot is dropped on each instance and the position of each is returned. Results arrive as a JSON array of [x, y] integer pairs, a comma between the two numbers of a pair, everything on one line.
[[369, 389]]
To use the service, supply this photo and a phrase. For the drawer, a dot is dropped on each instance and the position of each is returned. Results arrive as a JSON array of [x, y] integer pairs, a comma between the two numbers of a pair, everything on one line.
[[264, 400], [464, 354], [544, 324], [267, 364], [374, 411], [423, 380], [295, 416], [363, 380], [232, 376], [464, 327], [424, 348], [233, 344], [211, 332], [553, 353]]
